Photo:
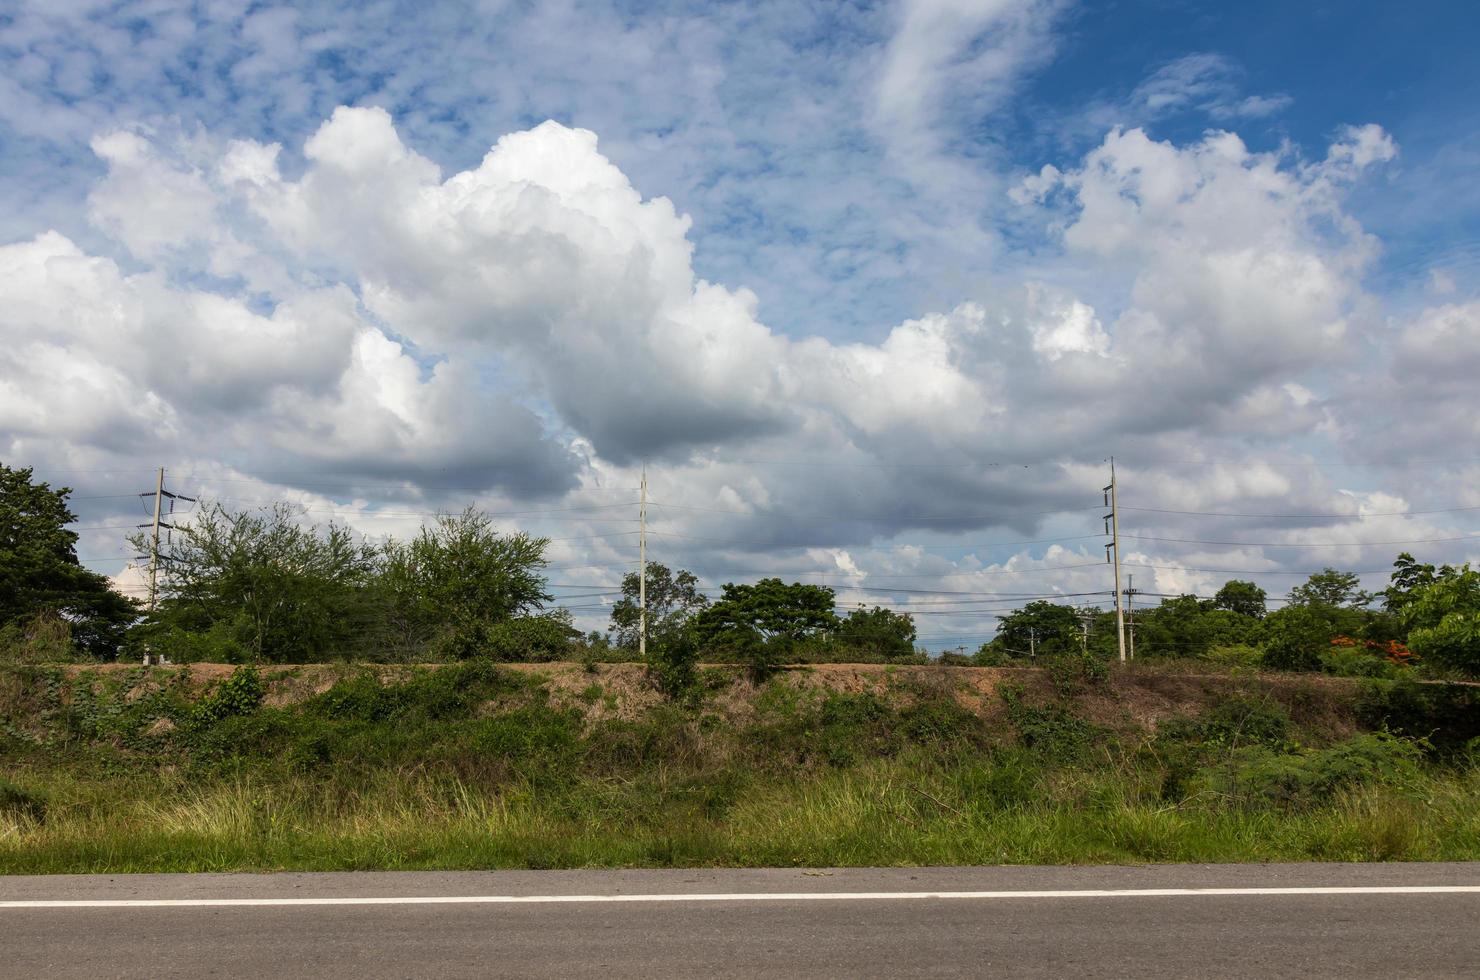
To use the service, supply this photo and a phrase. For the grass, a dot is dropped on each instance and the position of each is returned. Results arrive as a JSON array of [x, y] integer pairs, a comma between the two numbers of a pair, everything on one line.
[[475, 767], [882, 814]]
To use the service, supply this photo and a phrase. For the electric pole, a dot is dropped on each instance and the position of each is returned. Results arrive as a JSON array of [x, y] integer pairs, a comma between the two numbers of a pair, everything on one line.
[[1130, 615], [154, 539], [1114, 548], [160, 494], [1032, 643], [642, 567]]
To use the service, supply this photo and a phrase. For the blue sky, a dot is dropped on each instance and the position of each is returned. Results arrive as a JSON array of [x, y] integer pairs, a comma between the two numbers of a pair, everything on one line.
[[1235, 245]]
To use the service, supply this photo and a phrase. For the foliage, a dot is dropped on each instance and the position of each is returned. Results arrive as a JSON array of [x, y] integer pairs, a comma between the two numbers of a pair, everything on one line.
[[1235, 655], [877, 632], [240, 694], [547, 636], [1295, 637], [672, 600], [262, 587], [40, 576], [473, 765], [16, 801], [452, 586], [764, 621], [1040, 628], [1443, 619], [1244, 598], [1301, 779], [1331, 588]]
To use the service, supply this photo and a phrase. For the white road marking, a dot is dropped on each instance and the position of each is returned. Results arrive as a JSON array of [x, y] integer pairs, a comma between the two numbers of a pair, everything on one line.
[[148, 903]]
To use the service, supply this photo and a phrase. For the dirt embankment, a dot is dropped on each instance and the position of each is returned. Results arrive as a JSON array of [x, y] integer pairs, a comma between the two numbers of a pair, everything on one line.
[[1135, 697]]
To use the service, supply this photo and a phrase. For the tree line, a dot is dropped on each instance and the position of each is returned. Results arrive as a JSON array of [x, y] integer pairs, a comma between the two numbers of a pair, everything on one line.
[[242, 586]]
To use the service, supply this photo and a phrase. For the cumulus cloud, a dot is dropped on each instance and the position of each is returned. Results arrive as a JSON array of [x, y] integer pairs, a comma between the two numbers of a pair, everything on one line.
[[534, 325]]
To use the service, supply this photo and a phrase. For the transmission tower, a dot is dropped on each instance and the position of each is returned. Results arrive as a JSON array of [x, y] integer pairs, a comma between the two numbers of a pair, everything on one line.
[[160, 495]]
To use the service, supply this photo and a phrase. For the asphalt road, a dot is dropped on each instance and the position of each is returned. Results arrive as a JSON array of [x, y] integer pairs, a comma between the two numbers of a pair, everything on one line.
[[744, 923]]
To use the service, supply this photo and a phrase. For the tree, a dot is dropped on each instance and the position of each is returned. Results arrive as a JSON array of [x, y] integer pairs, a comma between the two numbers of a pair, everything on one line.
[[766, 619], [1244, 598], [1330, 587], [1043, 628], [261, 587], [878, 632], [672, 600], [458, 579], [1443, 619], [40, 576], [1294, 638], [1408, 577]]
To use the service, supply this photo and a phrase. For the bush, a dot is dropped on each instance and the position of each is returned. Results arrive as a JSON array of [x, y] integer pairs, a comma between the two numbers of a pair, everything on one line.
[[1051, 730], [671, 661], [1073, 672], [1446, 716], [239, 694], [1235, 655], [1311, 777], [18, 802]]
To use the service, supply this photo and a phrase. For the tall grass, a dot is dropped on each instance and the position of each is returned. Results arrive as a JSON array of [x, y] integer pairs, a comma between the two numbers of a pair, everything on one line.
[[888, 813], [479, 768]]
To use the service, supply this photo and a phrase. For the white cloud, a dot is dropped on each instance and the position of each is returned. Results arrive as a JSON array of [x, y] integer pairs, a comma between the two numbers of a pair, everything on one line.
[[534, 325]]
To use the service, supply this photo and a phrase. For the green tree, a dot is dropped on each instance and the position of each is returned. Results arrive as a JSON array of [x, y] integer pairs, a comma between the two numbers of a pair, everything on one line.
[[1408, 577], [260, 586], [1333, 588], [40, 576], [1293, 638], [878, 632], [1244, 598], [1186, 626], [1042, 628], [765, 620], [449, 587], [672, 600], [1443, 619]]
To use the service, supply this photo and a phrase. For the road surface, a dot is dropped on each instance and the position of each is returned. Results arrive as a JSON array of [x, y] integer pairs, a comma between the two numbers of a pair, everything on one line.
[[1348, 921]]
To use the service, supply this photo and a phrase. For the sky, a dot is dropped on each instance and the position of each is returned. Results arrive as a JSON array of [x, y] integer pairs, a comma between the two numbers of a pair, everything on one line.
[[872, 291]]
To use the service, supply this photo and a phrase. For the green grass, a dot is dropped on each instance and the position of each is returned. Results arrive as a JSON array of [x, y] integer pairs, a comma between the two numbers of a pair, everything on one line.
[[881, 814], [474, 767]]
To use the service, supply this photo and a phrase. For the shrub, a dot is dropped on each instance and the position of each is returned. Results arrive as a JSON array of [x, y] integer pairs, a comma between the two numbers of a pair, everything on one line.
[[18, 802], [1052, 730], [1235, 655], [1073, 672], [1311, 777], [239, 694]]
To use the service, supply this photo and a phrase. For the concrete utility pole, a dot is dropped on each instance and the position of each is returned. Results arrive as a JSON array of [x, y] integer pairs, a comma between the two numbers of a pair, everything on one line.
[[642, 568], [160, 493], [154, 539], [1130, 615], [1114, 547]]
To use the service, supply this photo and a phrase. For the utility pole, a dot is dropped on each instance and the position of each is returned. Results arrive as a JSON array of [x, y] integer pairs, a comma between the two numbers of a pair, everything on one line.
[[1032, 643], [160, 493], [1084, 620], [642, 567], [1114, 547], [154, 540], [1130, 615]]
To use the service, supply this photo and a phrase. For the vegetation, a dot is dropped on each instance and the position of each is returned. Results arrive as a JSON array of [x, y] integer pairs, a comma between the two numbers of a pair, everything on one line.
[[475, 765], [1426, 624], [49, 603]]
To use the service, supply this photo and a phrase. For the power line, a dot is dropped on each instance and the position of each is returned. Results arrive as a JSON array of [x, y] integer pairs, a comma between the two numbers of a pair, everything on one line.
[[1308, 517], [1292, 544]]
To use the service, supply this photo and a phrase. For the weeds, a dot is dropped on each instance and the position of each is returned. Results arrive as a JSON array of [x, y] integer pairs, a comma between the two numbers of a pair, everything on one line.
[[478, 766]]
